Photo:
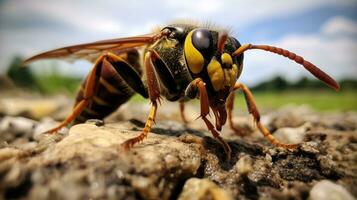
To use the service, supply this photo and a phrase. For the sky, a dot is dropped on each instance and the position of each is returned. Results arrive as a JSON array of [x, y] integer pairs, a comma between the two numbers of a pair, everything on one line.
[[322, 31]]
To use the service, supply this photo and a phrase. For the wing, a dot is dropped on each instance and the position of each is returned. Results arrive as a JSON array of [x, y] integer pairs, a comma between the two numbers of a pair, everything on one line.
[[91, 51]]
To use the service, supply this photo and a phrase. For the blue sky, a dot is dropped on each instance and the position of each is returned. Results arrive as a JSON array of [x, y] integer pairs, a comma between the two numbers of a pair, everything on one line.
[[322, 31]]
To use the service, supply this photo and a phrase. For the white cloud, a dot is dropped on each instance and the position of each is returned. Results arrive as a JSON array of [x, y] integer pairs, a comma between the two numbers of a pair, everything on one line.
[[339, 25], [68, 13], [239, 12], [121, 15], [198, 6]]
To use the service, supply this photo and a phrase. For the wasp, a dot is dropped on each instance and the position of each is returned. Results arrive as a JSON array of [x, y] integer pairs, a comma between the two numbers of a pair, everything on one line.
[[179, 62]]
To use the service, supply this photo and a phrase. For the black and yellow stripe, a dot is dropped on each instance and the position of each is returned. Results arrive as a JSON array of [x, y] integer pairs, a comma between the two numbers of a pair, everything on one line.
[[111, 92]]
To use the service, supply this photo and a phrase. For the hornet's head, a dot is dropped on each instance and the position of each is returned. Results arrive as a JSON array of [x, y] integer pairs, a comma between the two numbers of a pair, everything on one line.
[[208, 54]]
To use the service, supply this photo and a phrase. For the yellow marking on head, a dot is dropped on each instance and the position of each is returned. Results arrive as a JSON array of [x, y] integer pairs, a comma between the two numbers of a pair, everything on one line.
[[227, 76], [226, 59], [216, 74], [193, 57], [234, 74], [230, 76]]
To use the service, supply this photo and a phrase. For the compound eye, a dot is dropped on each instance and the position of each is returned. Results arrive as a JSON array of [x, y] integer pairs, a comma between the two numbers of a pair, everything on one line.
[[203, 41], [237, 45], [198, 48]]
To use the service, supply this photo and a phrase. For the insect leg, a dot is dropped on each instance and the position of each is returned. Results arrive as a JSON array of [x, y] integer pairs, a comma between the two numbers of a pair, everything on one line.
[[182, 111], [252, 108], [154, 95], [89, 90], [107, 60], [230, 106], [205, 111]]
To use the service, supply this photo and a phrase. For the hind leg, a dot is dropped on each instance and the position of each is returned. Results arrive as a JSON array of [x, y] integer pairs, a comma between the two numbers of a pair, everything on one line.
[[106, 61], [230, 106], [88, 92]]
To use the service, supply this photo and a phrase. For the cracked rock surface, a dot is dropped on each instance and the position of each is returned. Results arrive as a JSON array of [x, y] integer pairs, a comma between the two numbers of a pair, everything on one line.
[[178, 161]]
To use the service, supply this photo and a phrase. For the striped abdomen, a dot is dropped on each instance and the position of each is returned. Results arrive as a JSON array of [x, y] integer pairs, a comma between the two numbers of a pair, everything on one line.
[[112, 90]]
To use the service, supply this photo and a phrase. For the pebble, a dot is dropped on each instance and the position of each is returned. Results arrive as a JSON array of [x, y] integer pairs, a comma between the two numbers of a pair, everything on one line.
[[17, 125], [197, 189], [310, 147], [292, 135], [328, 190], [244, 165]]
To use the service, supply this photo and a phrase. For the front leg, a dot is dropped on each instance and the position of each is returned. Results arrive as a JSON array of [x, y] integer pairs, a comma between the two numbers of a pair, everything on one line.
[[230, 106], [182, 111], [154, 95], [200, 85]]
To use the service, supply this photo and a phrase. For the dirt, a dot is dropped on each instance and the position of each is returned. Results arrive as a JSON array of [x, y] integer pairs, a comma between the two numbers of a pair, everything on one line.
[[178, 161]]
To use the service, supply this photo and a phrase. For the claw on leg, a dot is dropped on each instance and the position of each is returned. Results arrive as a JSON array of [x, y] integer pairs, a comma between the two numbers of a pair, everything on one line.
[[216, 135], [149, 122], [266, 133], [76, 111]]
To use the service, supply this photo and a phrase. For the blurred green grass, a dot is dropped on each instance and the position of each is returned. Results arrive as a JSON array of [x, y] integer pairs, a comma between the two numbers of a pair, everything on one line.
[[54, 83], [320, 100]]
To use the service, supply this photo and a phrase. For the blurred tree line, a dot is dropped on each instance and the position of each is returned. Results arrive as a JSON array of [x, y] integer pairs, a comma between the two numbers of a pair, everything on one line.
[[280, 84], [21, 76]]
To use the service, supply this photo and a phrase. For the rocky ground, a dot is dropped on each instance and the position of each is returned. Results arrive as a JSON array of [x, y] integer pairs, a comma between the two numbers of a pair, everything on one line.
[[176, 161]]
